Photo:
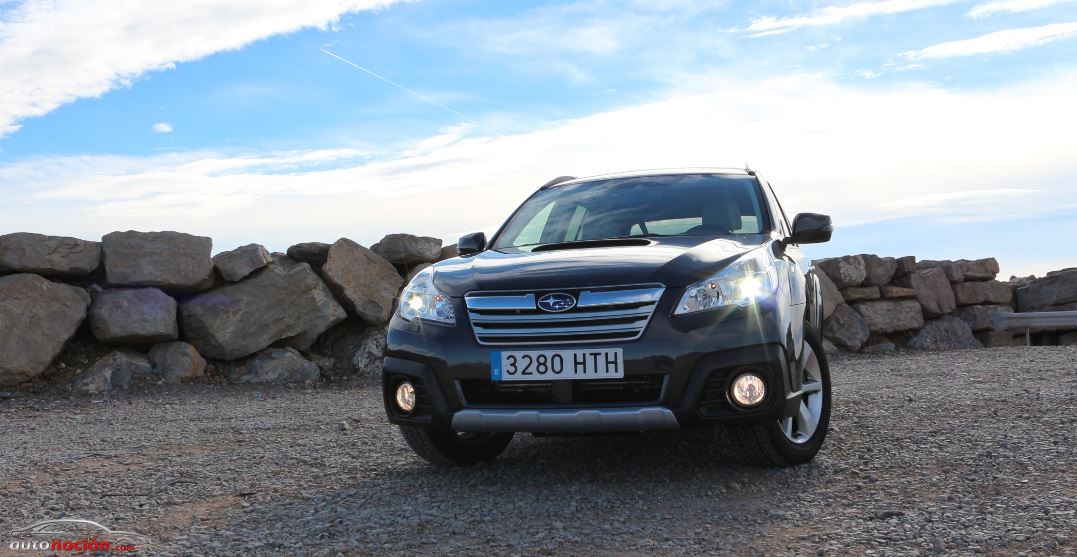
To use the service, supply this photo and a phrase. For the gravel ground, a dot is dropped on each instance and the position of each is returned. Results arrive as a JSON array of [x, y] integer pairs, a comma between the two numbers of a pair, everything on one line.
[[947, 453]]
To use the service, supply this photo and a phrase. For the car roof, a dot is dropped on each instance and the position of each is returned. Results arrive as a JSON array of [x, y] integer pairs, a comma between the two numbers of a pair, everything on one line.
[[652, 172]]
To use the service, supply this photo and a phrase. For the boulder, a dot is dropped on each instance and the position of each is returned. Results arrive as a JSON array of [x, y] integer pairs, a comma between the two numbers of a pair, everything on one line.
[[371, 353], [406, 249], [1053, 290], [832, 297], [845, 271], [177, 361], [994, 339], [133, 316], [879, 348], [275, 365], [979, 269], [283, 300], [59, 256], [879, 269], [904, 265], [952, 270], [891, 291], [414, 271], [860, 293], [944, 333], [168, 260], [311, 253], [1068, 339], [979, 317], [987, 292], [829, 347], [114, 370], [364, 281], [37, 318], [933, 291], [891, 316], [448, 252], [846, 328], [240, 262]]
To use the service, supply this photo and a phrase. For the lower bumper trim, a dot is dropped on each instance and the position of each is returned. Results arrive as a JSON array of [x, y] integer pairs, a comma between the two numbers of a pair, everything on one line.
[[648, 418]]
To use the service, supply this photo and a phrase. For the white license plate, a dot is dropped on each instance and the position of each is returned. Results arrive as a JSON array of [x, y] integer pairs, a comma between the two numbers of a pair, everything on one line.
[[547, 365]]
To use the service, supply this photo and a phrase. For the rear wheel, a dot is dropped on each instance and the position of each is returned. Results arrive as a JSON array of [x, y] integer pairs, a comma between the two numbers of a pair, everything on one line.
[[450, 448], [794, 439]]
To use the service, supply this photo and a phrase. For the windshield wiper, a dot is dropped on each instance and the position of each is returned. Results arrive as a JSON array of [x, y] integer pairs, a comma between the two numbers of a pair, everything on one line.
[[601, 243]]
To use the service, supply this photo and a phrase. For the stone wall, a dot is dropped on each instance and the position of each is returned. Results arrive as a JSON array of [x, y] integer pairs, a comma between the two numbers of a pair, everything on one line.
[[873, 303], [156, 306]]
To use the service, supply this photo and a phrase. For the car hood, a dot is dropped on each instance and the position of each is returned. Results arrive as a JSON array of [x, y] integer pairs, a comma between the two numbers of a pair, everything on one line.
[[674, 261]]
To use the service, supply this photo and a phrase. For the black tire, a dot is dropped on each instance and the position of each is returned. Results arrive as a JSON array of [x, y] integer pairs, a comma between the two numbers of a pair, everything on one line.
[[765, 444], [449, 448]]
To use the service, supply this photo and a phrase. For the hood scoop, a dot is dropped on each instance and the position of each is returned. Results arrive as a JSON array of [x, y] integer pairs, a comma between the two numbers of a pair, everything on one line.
[[584, 244]]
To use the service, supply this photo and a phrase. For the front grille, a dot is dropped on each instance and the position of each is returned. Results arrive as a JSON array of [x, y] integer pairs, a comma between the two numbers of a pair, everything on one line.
[[635, 389], [600, 315]]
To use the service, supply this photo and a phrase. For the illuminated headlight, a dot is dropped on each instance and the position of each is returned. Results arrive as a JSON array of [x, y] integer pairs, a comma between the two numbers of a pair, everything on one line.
[[420, 299], [746, 281]]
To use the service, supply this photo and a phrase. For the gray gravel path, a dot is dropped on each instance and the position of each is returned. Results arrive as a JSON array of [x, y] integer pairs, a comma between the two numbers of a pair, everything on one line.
[[951, 453]]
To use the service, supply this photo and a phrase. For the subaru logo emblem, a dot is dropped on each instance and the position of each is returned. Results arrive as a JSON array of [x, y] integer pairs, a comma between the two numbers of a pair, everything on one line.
[[557, 301]]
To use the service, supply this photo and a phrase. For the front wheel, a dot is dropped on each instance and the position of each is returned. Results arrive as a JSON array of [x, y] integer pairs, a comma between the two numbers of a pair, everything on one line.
[[794, 439], [450, 448]]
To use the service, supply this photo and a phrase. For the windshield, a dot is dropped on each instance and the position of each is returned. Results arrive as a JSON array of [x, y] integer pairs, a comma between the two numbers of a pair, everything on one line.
[[668, 205]]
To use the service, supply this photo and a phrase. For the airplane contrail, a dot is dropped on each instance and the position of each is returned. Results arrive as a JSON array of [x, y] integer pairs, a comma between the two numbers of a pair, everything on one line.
[[415, 94]]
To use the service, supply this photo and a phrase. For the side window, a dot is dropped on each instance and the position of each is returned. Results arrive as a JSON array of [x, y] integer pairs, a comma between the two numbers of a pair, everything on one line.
[[532, 231], [786, 229]]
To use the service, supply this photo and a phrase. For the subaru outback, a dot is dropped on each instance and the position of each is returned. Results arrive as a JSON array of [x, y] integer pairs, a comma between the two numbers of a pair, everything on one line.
[[622, 303]]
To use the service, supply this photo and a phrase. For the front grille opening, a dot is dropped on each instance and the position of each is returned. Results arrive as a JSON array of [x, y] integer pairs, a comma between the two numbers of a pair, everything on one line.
[[635, 389], [712, 399]]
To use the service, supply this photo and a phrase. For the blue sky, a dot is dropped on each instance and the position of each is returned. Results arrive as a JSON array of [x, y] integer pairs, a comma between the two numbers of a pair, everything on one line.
[[938, 128]]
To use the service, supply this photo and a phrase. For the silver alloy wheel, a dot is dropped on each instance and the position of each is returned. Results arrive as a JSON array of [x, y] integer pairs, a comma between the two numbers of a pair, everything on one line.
[[800, 428]]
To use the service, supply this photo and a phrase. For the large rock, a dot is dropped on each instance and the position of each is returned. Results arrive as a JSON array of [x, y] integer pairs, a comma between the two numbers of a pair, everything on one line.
[[24, 252], [987, 292], [177, 361], [891, 316], [167, 260], [275, 365], [845, 271], [879, 269], [979, 318], [1068, 339], [994, 339], [283, 300], [891, 291], [952, 270], [846, 328], [832, 297], [860, 293], [111, 371], [240, 262], [448, 252], [979, 269], [133, 316], [1053, 290], [364, 281], [37, 318], [904, 265], [406, 249], [311, 253], [944, 333], [933, 290]]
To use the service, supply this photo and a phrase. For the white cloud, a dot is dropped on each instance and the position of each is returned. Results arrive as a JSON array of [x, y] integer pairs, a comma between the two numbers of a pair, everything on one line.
[[162, 127], [54, 52], [860, 154], [1010, 40], [832, 15], [1011, 6]]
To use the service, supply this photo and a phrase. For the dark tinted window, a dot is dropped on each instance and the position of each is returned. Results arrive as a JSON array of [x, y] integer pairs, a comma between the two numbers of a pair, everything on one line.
[[670, 205]]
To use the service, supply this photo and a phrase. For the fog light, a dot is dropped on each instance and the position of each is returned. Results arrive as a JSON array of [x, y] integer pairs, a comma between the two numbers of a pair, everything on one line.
[[748, 390], [405, 396]]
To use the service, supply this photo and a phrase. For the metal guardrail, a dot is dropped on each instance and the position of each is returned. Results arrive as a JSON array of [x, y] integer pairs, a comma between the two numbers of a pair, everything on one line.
[[1034, 320]]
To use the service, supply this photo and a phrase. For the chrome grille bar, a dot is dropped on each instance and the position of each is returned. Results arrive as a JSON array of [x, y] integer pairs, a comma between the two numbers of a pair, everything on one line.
[[605, 314]]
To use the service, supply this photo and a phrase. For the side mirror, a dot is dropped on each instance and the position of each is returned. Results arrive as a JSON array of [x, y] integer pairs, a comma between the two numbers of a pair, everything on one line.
[[811, 228], [471, 244]]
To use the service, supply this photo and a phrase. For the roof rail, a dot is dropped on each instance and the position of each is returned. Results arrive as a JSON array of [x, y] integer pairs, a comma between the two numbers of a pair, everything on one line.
[[557, 180]]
